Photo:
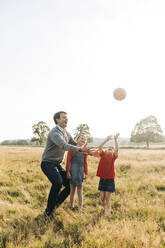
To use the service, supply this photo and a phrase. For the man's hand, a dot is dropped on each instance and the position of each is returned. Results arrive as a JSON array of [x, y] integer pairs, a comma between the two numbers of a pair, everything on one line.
[[84, 149], [88, 150], [91, 151]]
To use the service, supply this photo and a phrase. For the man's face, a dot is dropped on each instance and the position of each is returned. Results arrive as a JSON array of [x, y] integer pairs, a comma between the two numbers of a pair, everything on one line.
[[63, 120]]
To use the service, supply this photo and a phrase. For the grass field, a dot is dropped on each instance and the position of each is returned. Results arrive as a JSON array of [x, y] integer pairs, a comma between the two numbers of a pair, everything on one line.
[[138, 206]]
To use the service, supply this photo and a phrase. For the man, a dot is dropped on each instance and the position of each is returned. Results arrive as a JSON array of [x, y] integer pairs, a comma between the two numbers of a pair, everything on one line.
[[58, 141]]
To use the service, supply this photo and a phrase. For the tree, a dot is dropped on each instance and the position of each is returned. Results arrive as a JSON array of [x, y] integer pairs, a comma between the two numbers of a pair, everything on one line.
[[147, 130], [40, 131], [19, 142], [83, 129]]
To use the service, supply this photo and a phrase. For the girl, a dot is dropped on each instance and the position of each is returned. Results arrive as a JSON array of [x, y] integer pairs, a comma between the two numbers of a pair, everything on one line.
[[106, 172], [77, 170]]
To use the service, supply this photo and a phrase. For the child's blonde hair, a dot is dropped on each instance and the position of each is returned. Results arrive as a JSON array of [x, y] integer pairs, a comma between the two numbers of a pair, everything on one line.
[[79, 135]]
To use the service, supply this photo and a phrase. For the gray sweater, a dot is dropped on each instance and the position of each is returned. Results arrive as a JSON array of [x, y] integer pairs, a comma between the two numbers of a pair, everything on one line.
[[57, 143]]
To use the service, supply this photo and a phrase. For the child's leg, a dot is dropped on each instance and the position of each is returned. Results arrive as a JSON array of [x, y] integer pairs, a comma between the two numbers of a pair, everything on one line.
[[107, 204], [72, 193], [80, 197], [102, 197]]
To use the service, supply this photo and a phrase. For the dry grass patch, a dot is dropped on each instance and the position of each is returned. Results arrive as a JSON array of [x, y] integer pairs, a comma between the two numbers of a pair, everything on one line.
[[138, 206]]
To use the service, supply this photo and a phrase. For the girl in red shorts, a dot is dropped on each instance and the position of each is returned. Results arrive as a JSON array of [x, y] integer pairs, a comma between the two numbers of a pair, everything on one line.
[[106, 171]]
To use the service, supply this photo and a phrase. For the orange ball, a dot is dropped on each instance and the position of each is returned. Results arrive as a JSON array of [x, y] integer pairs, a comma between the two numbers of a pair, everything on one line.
[[119, 94]]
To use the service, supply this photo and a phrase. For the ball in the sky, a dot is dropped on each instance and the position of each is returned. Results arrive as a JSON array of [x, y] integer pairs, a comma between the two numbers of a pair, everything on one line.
[[119, 94]]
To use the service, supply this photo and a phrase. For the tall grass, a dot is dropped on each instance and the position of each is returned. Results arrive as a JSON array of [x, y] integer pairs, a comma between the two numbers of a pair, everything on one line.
[[138, 206]]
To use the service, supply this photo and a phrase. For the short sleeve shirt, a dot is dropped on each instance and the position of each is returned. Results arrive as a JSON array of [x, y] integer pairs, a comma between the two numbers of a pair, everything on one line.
[[106, 167]]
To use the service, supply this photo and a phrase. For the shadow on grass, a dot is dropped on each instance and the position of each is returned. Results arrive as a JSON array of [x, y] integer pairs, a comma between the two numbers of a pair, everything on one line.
[[21, 230], [41, 223]]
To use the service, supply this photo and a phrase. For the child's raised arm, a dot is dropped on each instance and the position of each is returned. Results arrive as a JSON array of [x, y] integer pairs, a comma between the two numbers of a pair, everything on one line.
[[104, 142], [116, 143]]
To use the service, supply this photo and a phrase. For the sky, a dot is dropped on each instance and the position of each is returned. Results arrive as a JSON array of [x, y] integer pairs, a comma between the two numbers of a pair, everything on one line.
[[71, 55]]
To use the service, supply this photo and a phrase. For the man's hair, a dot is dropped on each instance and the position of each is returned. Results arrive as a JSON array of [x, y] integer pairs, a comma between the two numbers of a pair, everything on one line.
[[57, 115]]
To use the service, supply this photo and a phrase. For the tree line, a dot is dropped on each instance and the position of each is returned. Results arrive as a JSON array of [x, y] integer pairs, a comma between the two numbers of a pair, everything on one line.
[[147, 130]]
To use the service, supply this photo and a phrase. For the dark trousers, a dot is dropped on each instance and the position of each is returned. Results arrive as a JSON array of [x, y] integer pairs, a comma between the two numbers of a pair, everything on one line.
[[57, 176]]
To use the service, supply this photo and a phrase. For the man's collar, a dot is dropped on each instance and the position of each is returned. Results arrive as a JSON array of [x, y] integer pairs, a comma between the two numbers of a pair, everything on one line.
[[61, 129]]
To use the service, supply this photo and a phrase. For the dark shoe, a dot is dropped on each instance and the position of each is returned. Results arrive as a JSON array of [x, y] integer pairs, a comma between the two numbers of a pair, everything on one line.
[[48, 214], [48, 218]]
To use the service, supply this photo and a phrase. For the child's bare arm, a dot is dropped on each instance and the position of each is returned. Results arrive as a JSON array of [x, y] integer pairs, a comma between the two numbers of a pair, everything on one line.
[[116, 143], [104, 142], [68, 175]]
